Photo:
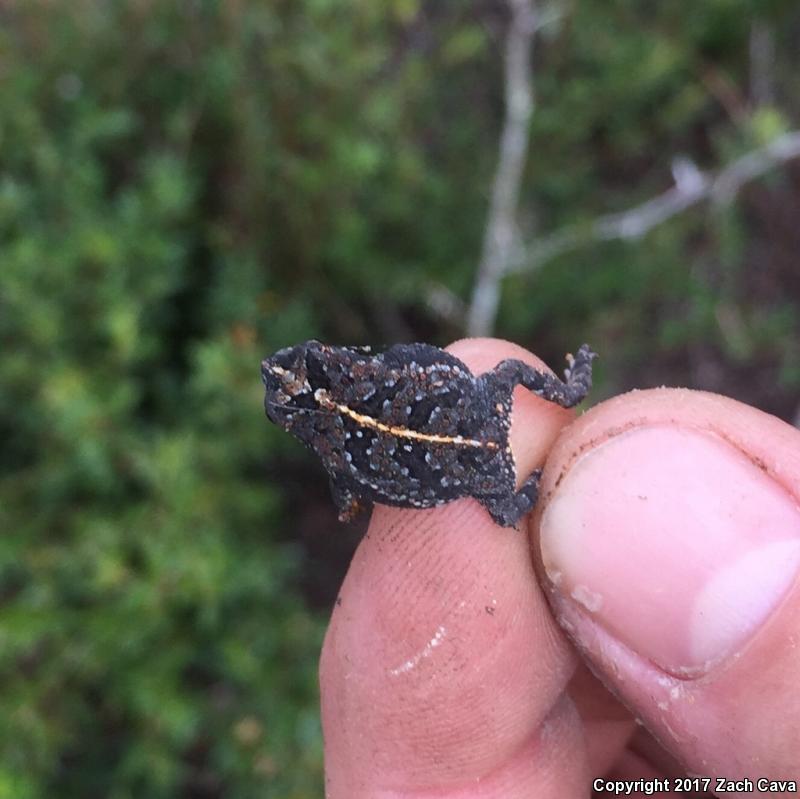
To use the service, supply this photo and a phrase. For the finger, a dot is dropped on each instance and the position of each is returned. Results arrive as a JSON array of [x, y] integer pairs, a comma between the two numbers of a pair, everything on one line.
[[670, 537], [607, 725], [442, 669]]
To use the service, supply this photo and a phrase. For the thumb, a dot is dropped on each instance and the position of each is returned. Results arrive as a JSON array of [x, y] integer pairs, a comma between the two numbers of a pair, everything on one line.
[[670, 541]]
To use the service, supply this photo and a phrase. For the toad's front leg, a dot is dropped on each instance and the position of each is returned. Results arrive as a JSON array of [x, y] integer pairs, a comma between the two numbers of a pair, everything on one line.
[[347, 502]]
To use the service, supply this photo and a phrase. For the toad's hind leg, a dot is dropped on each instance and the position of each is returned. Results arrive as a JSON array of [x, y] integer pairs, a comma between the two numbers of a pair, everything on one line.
[[566, 393], [508, 510]]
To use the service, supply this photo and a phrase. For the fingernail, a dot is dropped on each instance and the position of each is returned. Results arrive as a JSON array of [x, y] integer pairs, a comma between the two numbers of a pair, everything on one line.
[[675, 541]]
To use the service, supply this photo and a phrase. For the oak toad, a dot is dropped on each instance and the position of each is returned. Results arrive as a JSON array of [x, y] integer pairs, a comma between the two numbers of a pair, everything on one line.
[[412, 426]]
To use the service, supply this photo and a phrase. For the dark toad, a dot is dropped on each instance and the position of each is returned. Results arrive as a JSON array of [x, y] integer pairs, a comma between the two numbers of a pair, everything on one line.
[[412, 426]]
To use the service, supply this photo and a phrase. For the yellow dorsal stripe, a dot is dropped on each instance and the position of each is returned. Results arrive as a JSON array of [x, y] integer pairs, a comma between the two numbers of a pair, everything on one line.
[[403, 432]]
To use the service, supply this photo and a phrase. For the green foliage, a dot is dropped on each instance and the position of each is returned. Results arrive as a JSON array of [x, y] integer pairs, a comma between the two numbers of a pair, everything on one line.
[[185, 187], [151, 640]]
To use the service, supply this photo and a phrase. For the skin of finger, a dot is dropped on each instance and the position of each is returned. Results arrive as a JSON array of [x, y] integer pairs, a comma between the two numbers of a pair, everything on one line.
[[442, 669], [741, 719], [631, 768], [607, 724]]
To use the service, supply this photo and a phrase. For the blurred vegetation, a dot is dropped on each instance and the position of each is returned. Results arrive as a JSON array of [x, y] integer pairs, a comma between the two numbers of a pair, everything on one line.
[[185, 187]]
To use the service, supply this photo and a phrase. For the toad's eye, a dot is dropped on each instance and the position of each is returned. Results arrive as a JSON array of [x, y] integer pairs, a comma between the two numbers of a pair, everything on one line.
[[316, 371]]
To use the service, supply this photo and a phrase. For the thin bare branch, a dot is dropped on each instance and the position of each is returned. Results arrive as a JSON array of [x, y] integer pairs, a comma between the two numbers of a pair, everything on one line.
[[695, 187], [501, 231]]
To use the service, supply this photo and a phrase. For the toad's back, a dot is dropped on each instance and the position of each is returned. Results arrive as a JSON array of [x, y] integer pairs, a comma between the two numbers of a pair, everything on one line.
[[416, 429], [412, 426]]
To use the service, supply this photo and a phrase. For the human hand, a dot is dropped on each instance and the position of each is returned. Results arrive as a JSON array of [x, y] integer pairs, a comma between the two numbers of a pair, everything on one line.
[[667, 537]]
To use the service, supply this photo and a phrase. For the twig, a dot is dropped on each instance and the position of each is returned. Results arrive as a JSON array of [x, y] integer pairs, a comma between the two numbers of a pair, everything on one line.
[[500, 235], [503, 254], [634, 223]]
